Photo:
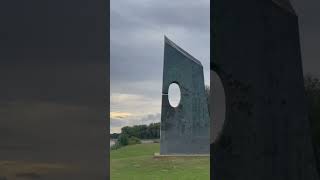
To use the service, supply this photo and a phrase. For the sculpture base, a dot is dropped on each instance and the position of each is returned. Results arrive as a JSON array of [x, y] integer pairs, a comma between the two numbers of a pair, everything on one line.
[[158, 155]]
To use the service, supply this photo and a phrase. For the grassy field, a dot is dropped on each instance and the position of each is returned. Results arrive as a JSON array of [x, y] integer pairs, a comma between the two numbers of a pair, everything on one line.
[[136, 162]]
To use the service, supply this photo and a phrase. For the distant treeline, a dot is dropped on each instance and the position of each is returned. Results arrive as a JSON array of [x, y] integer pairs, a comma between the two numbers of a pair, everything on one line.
[[151, 131], [114, 135]]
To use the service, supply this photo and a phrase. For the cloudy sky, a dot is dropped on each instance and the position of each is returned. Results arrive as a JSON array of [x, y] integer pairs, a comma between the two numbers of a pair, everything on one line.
[[308, 12], [137, 43], [53, 67]]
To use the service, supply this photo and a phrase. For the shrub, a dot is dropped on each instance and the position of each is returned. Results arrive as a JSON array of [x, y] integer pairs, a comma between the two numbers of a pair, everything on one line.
[[134, 140], [123, 139], [156, 141], [116, 146]]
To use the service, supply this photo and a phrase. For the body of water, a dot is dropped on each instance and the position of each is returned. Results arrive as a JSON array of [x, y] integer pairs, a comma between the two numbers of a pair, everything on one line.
[[112, 142]]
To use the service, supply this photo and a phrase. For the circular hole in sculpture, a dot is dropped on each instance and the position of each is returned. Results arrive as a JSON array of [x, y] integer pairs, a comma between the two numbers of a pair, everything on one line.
[[218, 109], [174, 94]]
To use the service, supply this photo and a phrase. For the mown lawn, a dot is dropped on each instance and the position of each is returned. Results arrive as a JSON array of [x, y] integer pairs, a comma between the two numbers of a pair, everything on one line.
[[136, 162]]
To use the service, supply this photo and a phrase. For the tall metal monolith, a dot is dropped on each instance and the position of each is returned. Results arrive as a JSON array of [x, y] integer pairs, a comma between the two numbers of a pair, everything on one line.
[[256, 53], [185, 128]]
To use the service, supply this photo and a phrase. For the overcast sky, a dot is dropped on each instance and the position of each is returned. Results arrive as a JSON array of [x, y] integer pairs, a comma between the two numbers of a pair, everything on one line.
[[308, 12], [53, 75], [137, 44]]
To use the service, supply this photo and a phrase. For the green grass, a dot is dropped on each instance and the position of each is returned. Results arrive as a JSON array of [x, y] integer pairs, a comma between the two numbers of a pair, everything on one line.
[[136, 162]]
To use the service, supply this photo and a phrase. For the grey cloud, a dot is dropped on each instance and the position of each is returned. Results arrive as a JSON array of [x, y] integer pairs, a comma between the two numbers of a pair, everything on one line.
[[151, 118], [76, 84], [165, 13], [308, 13], [116, 122], [178, 15], [137, 30]]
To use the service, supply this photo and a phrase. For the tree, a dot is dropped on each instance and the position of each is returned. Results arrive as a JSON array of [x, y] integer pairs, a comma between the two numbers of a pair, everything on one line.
[[143, 131], [126, 130], [154, 130], [114, 136], [123, 139]]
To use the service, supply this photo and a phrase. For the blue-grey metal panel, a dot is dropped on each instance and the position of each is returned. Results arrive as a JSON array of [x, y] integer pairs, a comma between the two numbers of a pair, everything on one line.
[[185, 128]]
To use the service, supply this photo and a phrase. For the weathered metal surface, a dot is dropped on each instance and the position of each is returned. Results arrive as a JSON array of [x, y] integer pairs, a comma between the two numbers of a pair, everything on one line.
[[285, 4], [185, 128], [266, 133]]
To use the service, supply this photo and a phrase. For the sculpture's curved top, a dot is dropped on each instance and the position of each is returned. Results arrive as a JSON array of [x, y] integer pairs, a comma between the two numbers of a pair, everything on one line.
[[286, 4], [172, 44]]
